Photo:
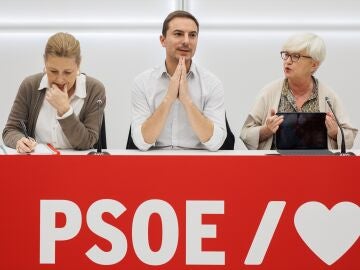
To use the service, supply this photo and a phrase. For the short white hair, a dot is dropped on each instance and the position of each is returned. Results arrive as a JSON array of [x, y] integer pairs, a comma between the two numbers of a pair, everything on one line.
[[311, 43]]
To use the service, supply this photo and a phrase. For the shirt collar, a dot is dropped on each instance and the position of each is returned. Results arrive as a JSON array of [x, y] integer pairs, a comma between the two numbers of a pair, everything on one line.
[[163, 70], [80, 89]]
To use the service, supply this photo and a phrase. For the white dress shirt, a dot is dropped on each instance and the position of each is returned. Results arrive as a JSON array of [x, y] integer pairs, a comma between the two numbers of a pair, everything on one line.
[[48, 129], [206, 92]]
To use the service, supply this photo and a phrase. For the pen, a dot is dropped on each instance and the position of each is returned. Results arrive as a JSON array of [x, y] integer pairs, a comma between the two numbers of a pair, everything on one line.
[[23, 127]]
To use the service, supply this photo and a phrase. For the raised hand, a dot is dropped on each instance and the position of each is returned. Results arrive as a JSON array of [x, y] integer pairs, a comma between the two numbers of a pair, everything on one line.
[[183, 89], [173, 90], [58, 98], [331, 125], [273, 121]]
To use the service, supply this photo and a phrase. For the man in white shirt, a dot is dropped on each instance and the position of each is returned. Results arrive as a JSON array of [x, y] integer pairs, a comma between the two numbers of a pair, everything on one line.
[[178, 104]]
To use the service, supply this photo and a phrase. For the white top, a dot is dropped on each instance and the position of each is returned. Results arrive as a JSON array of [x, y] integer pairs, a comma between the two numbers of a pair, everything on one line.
[[206, 92], [48, 129]]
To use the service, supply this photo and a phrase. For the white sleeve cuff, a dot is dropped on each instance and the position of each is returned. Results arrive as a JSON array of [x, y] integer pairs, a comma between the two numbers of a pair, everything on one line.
[[139, 139], [65, 115], [216, 140]]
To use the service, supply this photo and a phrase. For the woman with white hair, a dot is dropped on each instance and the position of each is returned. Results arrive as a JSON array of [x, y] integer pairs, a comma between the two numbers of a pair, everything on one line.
[[299, 91]]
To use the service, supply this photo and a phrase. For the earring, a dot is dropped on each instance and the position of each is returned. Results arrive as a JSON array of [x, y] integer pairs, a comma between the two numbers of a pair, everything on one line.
[[78, 72]]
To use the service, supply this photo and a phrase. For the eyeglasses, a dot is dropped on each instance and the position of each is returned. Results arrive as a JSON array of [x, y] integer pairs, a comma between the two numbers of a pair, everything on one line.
[[295, 57]]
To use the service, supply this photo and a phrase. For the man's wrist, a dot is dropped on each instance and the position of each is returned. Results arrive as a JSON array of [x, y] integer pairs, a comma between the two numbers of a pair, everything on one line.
[[168, 100], [187, 102]]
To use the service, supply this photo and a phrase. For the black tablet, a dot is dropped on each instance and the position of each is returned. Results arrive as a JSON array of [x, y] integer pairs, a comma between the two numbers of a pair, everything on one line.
[[302, 131]]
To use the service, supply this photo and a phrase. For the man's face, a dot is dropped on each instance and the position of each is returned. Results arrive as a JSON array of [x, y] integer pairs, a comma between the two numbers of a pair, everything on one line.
[[181, 39]]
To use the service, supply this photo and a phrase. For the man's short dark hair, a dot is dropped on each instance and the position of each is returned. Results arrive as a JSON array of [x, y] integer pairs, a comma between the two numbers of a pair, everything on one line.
[[177, 14]]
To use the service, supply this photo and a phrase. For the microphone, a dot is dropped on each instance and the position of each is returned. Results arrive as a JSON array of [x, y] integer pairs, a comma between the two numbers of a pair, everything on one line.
[[99, 151], [343, 147]]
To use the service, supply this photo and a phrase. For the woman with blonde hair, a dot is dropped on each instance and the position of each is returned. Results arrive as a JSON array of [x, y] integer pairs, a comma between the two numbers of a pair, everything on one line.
[[58, 106]]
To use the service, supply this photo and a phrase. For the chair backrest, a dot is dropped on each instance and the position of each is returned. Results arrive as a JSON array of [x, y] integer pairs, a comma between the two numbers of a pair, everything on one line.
[[229, 142], [227, 145], [102, 135], [130, 145]]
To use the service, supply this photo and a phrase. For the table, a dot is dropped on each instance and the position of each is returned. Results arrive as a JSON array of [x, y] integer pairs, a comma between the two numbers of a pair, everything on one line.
[[183, 210]]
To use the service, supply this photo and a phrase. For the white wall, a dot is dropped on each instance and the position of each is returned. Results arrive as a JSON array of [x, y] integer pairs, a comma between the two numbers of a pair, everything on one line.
[[239, 41]]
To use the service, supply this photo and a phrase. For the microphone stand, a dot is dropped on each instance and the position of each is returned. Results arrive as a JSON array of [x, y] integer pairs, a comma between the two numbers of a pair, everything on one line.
[[343, 147], [99, 151]]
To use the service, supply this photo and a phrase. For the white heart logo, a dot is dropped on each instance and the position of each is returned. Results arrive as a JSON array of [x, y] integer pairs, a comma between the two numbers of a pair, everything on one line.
[[328, 233]]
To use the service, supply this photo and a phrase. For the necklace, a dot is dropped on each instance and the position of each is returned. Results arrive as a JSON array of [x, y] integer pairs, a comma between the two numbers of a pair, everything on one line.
[[305, 94]]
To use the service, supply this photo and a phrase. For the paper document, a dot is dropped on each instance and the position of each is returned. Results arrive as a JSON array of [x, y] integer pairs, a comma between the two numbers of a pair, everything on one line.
[[2, 150], [40, 149]]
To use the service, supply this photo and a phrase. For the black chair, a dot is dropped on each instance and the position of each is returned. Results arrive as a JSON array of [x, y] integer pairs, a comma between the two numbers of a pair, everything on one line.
[[130, 145], [102, 135], [230, 138], [227, 145]]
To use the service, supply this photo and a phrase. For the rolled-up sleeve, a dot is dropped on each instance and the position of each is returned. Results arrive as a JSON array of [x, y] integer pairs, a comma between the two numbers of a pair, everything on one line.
[[217, 139], [140, 110], [215, 111]]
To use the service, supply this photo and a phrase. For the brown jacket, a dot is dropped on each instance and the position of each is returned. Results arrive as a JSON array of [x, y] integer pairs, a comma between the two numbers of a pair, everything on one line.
[[82, 131]]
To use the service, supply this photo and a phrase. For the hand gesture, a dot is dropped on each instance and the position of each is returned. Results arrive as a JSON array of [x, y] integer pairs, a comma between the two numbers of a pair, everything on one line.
[[25, 145], [273, 121], [58, 98], [183, 89], [173, 90], [331, 125]]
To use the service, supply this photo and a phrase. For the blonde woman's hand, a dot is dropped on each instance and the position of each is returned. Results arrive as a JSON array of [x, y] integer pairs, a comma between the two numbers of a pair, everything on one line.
[[25, 145], [58, 98]]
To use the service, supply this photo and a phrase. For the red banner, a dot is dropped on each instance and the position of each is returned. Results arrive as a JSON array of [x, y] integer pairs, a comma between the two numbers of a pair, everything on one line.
[[180, 212]]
